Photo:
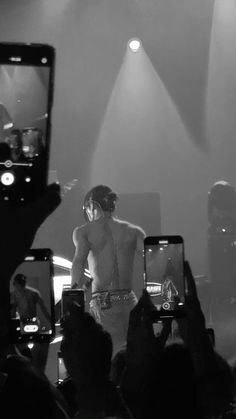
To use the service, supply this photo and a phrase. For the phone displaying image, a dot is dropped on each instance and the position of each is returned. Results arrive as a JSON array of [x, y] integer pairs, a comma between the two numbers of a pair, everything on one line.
[[32, 298], [62, 373], [68, 296], [26, 86], [164, 274]]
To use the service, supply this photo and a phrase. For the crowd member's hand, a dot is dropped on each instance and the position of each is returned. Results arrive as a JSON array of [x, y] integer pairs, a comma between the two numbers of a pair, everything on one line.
[[86, 349], [77, 343], [143, 346], [212, 371], [192, 327], [18, 226], [141, 340]]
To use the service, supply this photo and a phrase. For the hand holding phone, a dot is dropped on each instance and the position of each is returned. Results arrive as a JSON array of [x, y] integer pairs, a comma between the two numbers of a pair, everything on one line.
[[32, 299], [26, 85], [72, 295], [164, 275]]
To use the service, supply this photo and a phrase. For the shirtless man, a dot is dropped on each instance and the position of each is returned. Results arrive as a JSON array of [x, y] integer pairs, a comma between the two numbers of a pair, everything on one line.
[[109, 245], [24, 301]]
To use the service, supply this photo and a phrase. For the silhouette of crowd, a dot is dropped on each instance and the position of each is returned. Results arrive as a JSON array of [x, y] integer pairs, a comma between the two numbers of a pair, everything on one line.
[[176, 372]]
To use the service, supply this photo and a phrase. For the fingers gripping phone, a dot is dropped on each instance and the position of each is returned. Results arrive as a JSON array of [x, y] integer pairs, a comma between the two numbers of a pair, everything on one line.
[[164, 275], [32, 299], [26, 86]]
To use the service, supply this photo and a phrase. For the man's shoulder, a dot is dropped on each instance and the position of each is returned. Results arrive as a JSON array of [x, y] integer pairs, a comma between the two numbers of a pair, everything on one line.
[[33, 291], [80, 232], [133, 228], [80, 228]]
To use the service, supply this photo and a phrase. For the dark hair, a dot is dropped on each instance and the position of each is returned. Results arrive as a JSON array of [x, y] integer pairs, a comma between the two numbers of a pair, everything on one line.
[[21, 279], [103, 196], [18, 138], [27, 393], [222, 195], [93, 345], [5, 151]]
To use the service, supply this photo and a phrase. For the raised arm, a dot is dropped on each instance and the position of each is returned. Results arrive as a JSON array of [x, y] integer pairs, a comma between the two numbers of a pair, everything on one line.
[[139, 243], [80, 258]]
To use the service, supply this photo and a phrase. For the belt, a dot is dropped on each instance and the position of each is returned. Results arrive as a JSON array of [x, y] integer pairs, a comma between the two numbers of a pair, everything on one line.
[[112, 295]]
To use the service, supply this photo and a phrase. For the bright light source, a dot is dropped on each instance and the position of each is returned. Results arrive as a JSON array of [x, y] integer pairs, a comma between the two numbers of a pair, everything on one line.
[[57, 339], [15, 59], [134, 44], [62, 262], [30, 345], [8, 126], [7, 178]]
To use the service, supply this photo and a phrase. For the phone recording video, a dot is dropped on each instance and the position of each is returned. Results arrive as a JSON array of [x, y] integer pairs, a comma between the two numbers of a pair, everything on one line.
[[32, 299], [26, 86], [69, 296], [164, 274]]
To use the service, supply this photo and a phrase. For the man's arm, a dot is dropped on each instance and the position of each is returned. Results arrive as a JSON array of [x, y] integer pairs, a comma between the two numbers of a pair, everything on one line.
[[139, 243], [80, 258]]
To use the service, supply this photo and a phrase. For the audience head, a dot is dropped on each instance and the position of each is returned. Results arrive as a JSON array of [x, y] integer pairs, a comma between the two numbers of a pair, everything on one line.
[[176, 385], [19, 281], [218, 388], [25, 393], [221, 202], [86, 348]]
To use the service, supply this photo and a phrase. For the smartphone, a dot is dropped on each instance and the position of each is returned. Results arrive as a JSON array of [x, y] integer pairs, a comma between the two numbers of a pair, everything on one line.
[[164, 275], [62, 373], [68, 296], [32, 299], [26, 86]]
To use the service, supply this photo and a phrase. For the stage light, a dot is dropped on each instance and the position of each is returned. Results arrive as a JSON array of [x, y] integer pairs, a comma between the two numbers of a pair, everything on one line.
[[62, 262], [134, 44], [56, 340], [67, 264], [30, 345]]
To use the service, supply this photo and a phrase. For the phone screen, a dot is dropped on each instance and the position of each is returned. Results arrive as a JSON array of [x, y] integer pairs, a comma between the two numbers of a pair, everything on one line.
[[164, 273], [26, 85], [70, 295], [31, 299]]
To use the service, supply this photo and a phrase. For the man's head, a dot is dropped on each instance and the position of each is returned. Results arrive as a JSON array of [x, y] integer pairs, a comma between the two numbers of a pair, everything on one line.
[[222, 195], [99, 200], [19, 281], [221, 203]]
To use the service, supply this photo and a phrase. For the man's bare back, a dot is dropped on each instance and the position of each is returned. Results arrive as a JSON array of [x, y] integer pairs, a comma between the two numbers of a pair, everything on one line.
[[109, 245]]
